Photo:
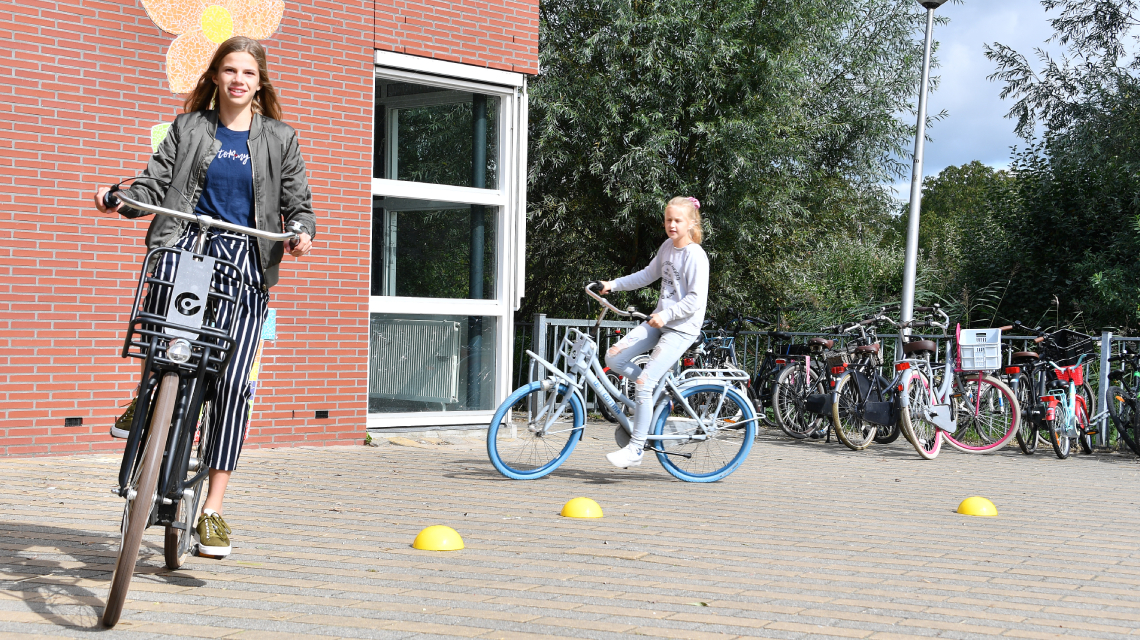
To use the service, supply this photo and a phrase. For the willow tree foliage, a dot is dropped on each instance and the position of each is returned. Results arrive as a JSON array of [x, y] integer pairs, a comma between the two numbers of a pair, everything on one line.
[[779, 115], [1073, 251]]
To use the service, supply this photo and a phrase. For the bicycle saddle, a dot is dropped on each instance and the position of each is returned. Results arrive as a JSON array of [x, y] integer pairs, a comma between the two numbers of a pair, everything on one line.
[[780, 335], [868, 348], [920, 346], [821, 342], [1025, 355]]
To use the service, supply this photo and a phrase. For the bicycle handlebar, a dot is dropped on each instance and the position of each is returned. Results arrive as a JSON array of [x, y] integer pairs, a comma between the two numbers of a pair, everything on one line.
[[112, 199], [606, 303]]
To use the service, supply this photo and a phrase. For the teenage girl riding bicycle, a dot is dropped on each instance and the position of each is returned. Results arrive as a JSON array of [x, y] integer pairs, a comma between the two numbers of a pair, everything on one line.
[[228, 156], [683, 268]]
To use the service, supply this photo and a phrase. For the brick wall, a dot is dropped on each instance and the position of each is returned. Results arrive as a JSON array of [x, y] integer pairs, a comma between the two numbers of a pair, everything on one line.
[[500, 34], [81, 83]]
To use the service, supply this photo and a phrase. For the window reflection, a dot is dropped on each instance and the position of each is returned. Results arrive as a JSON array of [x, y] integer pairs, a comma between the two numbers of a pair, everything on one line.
[[434, 135], [425, 249]]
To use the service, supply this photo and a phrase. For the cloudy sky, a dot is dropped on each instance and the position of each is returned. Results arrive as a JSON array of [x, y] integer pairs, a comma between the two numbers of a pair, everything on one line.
[[976, 127]]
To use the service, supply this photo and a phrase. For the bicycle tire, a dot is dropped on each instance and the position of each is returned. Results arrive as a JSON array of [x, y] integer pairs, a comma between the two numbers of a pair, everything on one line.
[[991, 432], [791, 390], [1085, 440], [1026, 428], [1122, 411], [924, 436], [847, 419], [137, 511], [523, 458], [726, 450], [1062, 446], [178, 543]]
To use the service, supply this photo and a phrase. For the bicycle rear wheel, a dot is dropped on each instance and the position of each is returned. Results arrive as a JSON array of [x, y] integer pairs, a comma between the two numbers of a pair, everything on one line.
[[535, 430], [143, 482], [988, 415], [924, 435], [1086, 402], [847, 416], [795, 384], [179, 540], [1026, 428], [1121, 406], [725, 441]]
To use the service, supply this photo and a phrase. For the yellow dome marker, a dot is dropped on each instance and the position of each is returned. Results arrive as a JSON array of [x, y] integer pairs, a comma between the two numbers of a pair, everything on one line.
[[581, 508], [977, 506], [438, 538]]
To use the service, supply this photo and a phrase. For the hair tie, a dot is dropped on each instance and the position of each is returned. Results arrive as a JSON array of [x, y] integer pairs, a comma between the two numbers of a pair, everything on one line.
[[696, 203]]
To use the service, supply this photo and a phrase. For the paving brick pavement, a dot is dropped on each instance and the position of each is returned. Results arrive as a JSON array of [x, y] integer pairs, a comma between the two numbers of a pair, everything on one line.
[[805, 540]]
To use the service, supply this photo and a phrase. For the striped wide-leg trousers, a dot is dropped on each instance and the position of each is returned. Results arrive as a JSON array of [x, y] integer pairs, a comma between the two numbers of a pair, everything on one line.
[[231, 390]]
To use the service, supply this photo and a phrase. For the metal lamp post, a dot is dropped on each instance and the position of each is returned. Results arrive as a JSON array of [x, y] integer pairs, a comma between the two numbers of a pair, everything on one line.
[[916, 177]]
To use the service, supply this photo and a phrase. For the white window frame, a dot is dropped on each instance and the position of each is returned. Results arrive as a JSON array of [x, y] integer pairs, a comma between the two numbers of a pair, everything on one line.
[[509, 199]]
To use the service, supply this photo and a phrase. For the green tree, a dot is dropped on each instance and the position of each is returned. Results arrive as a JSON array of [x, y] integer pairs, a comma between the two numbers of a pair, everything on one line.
[[968, 213], [779, 115], [1074, 243]]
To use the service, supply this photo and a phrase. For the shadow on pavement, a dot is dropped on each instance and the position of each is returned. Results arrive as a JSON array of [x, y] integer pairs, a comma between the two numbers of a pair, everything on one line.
[[55, 589]]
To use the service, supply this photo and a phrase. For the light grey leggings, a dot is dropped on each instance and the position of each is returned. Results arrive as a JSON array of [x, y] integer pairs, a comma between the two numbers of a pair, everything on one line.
[[670, 345]]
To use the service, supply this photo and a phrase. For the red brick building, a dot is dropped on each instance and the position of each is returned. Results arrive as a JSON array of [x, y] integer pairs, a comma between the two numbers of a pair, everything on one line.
[[399, 317]]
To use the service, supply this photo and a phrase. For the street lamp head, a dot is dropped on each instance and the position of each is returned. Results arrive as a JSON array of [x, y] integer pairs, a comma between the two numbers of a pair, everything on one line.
[[932, 4]]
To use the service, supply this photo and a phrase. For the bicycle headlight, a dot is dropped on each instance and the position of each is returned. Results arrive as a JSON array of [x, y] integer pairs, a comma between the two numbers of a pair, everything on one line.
[[178, 350]]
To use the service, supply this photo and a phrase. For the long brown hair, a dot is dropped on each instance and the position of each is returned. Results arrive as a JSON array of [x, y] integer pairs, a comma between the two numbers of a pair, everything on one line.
[[205, 93]]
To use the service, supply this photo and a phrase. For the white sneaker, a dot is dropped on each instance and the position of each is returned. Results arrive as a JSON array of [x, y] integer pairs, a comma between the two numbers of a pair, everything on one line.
[[627, 456]]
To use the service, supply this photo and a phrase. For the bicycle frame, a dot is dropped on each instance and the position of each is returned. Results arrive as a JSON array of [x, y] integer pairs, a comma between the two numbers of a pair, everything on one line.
[[938, 411], [579, 350], [192, 309]]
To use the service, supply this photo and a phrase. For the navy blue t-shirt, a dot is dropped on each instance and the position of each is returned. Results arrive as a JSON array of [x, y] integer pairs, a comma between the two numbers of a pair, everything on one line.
[[228, 192]]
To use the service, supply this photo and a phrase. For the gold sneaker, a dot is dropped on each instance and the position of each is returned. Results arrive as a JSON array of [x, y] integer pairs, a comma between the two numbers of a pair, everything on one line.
[[122, 426], [213, 535]]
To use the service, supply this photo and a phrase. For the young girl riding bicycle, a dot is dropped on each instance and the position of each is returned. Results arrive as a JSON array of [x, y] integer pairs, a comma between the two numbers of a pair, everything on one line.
[[683, 268]]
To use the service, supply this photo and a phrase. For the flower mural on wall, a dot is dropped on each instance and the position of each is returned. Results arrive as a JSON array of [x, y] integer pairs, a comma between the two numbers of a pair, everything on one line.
[[201, 25]]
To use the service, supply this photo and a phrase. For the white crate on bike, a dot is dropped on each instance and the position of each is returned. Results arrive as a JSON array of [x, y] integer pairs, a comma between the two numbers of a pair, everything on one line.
[[979, 349]]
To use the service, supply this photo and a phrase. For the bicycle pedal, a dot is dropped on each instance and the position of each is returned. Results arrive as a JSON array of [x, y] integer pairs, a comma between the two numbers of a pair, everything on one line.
[[1092, 432]]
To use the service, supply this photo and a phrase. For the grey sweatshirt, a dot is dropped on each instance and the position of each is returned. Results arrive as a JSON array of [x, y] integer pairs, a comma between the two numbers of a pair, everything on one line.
[[684, 275]]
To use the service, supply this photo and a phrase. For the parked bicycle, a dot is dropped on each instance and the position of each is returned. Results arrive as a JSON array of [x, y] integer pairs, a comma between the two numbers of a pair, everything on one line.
[[181, 328], [702, 428], [1056, 398], [859, 385], [931, 402], [1123, 398]]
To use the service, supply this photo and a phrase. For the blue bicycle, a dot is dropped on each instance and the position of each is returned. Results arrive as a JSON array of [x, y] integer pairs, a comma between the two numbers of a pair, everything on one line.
[[702, 427]]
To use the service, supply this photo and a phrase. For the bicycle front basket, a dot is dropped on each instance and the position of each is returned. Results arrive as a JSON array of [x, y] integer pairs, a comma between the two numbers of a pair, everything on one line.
[[1067, 346]]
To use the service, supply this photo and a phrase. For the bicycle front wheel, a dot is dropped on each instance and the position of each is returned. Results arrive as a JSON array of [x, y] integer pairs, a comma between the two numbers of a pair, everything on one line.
[[847, 416], [794, 385], [1120, 409], [143, 485], [1026, 428], [713, 447], [535, 430], [923, 434], [988, 415]]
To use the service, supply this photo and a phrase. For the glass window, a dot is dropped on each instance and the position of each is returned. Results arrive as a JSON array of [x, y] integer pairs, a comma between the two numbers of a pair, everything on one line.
[[435, 135], [426, 249], [431, 363]]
